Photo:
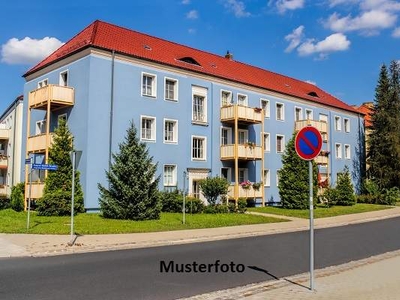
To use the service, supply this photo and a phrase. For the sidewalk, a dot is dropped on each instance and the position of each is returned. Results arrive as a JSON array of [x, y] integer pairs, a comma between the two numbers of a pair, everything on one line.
[[372, 278]]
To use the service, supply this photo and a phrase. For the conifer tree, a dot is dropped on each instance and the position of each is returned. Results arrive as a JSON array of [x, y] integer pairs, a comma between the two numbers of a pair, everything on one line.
[[384, 140], [57, 193], [294, 179], [344, 189], [132, 193]]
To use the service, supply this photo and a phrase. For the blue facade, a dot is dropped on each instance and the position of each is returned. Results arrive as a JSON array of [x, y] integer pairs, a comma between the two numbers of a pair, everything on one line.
[[101, 83]]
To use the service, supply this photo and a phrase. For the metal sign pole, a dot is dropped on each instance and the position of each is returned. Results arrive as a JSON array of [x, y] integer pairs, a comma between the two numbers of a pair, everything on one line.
[[73, 194], [29, 196], [184, 198], [311, 227]]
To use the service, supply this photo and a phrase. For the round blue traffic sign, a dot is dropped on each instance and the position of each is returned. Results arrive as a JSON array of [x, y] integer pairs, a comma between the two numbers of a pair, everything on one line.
[[308, 143]]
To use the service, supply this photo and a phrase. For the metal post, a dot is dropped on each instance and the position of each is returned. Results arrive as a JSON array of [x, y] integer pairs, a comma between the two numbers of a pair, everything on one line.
[[184, 198], [73, 195], [311, 228], [29, 196]]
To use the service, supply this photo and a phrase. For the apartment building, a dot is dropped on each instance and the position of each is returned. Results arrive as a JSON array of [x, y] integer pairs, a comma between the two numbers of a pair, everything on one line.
[[10, 146], [200, 114]]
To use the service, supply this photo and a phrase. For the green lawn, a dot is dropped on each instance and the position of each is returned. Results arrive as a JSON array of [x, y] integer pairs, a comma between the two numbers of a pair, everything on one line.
[[15, 222], [321, 212]]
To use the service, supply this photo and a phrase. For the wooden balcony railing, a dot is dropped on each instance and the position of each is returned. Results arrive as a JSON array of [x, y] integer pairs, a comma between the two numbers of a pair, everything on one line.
[[245, 193], [37, 143], [241, 113], [58, 95], [322, 126], [245, 152]]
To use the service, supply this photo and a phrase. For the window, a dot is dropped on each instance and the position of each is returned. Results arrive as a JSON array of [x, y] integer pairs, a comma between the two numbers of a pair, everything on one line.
[[43, 83], [280, 143], [243, 136], [267, 178], [265, 106], [149, 85], [61, 117], [226, 98], [242, 99], [199, 105], [63, 78], [196, 189], [347, 151], [243, 175], [226, 134], [338, 126], [170, 175], [280, 111], [298, 114], [40, 127], [170, 131], [171, 89], [309, 114], [346, 125], [338, 150], [225, 173], [277, 177], [267, 142], [148, 128], [198, 148]]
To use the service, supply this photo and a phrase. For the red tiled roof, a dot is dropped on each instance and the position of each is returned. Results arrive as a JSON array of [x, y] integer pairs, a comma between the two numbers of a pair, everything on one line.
[[125, 41], [367, 110]]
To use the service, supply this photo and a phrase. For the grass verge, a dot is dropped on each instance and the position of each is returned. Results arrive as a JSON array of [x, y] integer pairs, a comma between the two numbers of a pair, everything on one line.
[[320, 212], [15, 222]]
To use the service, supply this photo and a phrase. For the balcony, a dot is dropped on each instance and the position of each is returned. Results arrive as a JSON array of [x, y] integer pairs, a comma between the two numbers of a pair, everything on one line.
[[321, 160], [36, 191], [245, 193], [59, 96], [4, 132], [37, 143], [3, 161], [245, 152], [322, 126], [242, 114]]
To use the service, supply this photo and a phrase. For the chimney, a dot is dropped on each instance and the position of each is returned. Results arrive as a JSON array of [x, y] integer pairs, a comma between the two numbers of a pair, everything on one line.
[[229, 55]]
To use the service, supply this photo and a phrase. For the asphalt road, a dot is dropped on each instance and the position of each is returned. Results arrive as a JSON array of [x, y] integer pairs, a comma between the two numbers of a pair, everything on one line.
[[136, 274]]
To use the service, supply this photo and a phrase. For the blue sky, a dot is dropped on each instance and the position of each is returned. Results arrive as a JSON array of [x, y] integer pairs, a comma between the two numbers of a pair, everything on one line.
[[337, 44]]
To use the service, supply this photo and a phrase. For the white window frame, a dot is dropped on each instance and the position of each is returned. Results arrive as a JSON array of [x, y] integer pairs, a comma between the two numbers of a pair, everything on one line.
[[229, 100], [347, 151], [61, 80], [246, 99], [311, 113], [245, 174], [173, 175], [267, 108], [229, 137], [60, 117], [246, 136], [199, 92], [338, 123], [267, 143], [204, 138], [267, 178], [338, 151], [39, 126], [43, 83], [229, 173], [153, 131], [175, 99], [300, 114], [346, 128], [153, 86], [282, 112], [283, 143], [175, 131]]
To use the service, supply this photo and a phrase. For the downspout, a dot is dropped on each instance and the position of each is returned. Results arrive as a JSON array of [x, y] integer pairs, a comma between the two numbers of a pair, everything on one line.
[[14, 133], [212, 122], [111, 112]]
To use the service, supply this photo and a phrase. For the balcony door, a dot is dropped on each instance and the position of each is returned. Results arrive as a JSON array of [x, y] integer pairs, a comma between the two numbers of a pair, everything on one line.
[[243, 136]]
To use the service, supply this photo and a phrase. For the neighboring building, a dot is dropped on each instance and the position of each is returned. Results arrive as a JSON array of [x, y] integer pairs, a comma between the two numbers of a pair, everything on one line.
[[367, 110], [10, 146], [198, 112]]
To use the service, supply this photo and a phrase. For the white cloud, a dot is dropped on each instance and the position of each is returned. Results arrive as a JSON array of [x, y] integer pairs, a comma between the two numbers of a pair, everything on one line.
[[28, 51], [333, 43], [294, 38], [284, 5], [185, 2], [367, 22], [237, 7], [396, 32], [333, 3], [193, 14], [385, 5]]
